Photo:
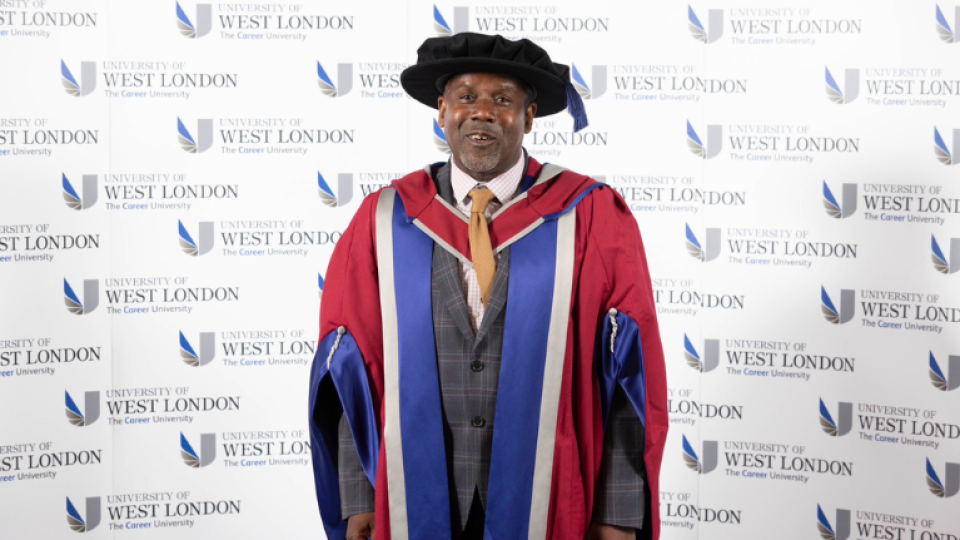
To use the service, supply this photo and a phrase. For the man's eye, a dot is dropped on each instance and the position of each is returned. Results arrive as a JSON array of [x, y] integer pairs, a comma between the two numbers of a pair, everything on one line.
[[466, 96], [503, 100]]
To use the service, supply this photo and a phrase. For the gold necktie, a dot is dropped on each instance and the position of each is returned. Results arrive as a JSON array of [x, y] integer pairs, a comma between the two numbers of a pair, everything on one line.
[[480, 248]]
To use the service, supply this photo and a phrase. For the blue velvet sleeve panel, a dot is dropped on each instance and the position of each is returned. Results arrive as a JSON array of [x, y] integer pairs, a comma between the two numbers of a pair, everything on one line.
[[339, 386], [621, 489], [620, 361]]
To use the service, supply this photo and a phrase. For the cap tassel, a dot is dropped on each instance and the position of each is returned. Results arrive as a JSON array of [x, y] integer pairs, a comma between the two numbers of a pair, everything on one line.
[[575, 108]]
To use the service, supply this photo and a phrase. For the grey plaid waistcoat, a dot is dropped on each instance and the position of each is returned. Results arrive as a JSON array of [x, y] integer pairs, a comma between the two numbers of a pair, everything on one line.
[[469, 370]]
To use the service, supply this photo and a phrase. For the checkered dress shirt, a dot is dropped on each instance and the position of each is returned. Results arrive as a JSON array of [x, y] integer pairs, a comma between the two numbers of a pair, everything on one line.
[[504, 187]]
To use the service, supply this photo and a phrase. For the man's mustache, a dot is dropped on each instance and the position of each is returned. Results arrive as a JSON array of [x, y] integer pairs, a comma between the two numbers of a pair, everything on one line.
[[481, 129]]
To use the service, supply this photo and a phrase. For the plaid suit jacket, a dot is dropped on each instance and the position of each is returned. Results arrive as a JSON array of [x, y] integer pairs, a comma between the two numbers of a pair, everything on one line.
[[469, 368]]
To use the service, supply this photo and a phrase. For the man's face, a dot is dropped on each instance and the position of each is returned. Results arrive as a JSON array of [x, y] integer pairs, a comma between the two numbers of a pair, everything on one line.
[[484, 117]]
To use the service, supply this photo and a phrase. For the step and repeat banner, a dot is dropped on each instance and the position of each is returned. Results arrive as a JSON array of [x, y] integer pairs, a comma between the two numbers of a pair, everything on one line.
[[174, 177]]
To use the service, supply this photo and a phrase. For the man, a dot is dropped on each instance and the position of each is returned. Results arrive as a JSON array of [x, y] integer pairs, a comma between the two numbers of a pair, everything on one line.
[[489, 363]]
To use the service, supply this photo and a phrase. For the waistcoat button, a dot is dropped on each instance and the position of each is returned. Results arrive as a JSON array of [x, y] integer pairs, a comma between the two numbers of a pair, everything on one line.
[[476, 365], [479, 421]]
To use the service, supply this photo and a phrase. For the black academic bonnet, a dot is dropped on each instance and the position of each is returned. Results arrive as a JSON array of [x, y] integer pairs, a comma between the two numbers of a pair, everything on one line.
[[440, 58]]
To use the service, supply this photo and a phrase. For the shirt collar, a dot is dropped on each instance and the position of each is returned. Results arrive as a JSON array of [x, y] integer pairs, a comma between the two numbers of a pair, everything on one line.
[[504, 186]]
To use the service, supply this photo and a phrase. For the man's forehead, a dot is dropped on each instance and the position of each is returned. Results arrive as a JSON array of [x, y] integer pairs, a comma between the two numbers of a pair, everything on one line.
[[473, 78]]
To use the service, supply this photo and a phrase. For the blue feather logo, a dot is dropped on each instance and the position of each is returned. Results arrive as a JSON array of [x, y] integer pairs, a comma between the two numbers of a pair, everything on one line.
[[944, 155], [694, 143], [827, 531], [186, 140], [690, 353], [439, 139], [70, 195], [326, 85], [933, 481], [582, 88], [91, 297], [826, 421], [194, 459], [74, 415], [189, 455], [700, 32], [77, 522], [940, 261], [690, 456], [199, 247], [326, 194], [946, 33], [823, 525], [714, 141], [87, 82], [851, 87], [186, 241], [829, 310], [440, 24], [203, 21], [73, 199], [73, 518], [830, 203], [937, 378], [693, 245], [74, 305], [70, 84], [189, 355]]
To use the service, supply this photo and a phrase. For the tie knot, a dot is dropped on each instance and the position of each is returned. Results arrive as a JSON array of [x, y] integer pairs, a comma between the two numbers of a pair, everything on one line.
[[481, 198]]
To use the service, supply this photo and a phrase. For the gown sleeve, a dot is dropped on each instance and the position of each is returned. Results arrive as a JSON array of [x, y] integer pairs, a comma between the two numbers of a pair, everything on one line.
[[629, 356], [345, 378]]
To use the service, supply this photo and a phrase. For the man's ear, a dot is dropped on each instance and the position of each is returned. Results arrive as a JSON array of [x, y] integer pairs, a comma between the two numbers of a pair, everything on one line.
[[442, 110], [528, 117]]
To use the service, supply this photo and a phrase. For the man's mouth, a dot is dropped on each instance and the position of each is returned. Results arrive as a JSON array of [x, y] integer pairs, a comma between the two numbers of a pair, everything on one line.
[[480, 139]]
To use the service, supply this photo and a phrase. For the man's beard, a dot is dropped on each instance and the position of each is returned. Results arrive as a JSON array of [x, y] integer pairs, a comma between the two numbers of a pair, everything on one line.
[[480, 162]]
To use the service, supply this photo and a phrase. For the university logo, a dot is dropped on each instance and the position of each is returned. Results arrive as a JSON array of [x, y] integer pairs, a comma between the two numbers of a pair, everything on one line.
[[88, 79], [90, 412], [828, 531], [208, 450], [947, 156], [598, 77], [706, 251], [945, 381], [714, 141], [439, 139], [344, 189], [704, 34], [461, 17], [945, 265], [842, 425], [203, 18], [847, 306], [207, 350], [851, 87], [344, 77], [834, 208], [947, 33], [77, 522], [88, 188], [205, 239], [941, 489], [202, 142], [91, 297], [320, 285], [711, 354], [702, 465]]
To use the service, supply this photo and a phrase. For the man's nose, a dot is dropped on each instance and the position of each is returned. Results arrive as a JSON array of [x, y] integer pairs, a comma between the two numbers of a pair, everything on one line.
[[483, 111]]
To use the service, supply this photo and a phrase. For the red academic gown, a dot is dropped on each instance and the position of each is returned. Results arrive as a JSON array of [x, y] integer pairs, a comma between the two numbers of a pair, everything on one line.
[[580, 319]]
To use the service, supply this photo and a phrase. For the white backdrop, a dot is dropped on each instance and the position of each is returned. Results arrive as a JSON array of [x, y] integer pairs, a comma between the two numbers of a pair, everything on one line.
[[164, 232]]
